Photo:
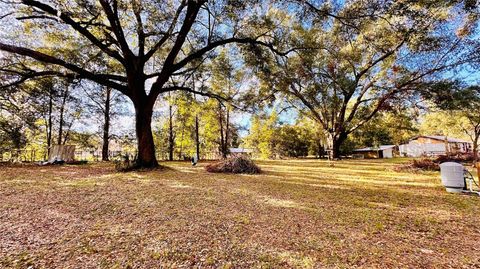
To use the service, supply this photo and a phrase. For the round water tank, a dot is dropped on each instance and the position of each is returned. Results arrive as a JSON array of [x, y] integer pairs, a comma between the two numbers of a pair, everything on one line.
[[452, 176]]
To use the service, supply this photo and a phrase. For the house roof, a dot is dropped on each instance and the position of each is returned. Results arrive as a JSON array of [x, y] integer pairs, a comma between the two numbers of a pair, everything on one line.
[[240, 150], [442, 138], [382, 147]]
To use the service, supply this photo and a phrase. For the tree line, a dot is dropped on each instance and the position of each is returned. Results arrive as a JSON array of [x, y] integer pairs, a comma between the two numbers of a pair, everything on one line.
[[341, 65]]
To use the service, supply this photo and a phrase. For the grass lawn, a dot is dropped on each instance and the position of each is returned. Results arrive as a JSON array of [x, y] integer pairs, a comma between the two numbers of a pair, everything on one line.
[[297, 214]]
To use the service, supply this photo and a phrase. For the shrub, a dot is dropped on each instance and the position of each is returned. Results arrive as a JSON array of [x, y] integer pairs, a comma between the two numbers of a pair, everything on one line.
[[419, 165], [125, 165], [235, 165]]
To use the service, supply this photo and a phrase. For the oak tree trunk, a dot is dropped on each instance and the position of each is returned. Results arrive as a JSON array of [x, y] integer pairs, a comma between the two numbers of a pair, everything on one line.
[[336, 141], [145, 145]]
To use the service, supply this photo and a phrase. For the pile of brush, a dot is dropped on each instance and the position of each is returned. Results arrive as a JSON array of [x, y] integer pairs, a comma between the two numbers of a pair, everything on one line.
[[235, 165], [419, 165]]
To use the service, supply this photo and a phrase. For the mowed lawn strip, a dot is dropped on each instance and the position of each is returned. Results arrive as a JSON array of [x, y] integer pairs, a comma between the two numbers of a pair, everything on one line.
[[296, 214]]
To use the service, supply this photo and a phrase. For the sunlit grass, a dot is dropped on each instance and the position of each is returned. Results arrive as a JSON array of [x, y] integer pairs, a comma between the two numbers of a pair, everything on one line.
[[296, 214]]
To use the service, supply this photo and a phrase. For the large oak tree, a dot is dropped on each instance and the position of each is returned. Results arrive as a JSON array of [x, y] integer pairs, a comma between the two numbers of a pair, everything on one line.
[[358, 58], [137, 47]]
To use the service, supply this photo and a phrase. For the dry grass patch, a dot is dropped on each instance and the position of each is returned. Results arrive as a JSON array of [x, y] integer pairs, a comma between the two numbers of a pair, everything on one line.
[[296, 214]]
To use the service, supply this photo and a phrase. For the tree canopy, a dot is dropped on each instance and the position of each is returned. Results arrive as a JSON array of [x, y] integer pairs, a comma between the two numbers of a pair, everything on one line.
[[344, 65]]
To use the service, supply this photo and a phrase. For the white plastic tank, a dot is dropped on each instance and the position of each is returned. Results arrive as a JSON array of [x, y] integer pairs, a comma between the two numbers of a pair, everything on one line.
[[452, 176]]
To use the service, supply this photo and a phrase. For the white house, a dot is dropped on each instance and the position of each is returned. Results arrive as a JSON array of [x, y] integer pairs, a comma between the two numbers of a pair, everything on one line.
[[431, 145]]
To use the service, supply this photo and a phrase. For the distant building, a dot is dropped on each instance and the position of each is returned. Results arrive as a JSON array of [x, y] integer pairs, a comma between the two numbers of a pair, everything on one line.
[[432, 145], [381, 152], [241, 151]]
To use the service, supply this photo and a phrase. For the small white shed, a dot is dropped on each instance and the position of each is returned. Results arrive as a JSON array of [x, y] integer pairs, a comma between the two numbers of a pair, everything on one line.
[[381, 152]]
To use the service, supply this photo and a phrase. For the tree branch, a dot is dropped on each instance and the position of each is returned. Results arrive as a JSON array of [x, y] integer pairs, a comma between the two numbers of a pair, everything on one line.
[[167, 34], [83, 31], [101, 79], [32, 75], [112, 16], [190, 90], [199, 53], [137, 9]]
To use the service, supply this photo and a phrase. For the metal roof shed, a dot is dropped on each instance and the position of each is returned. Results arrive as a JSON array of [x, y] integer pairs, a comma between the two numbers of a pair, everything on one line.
[[381, 152]]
